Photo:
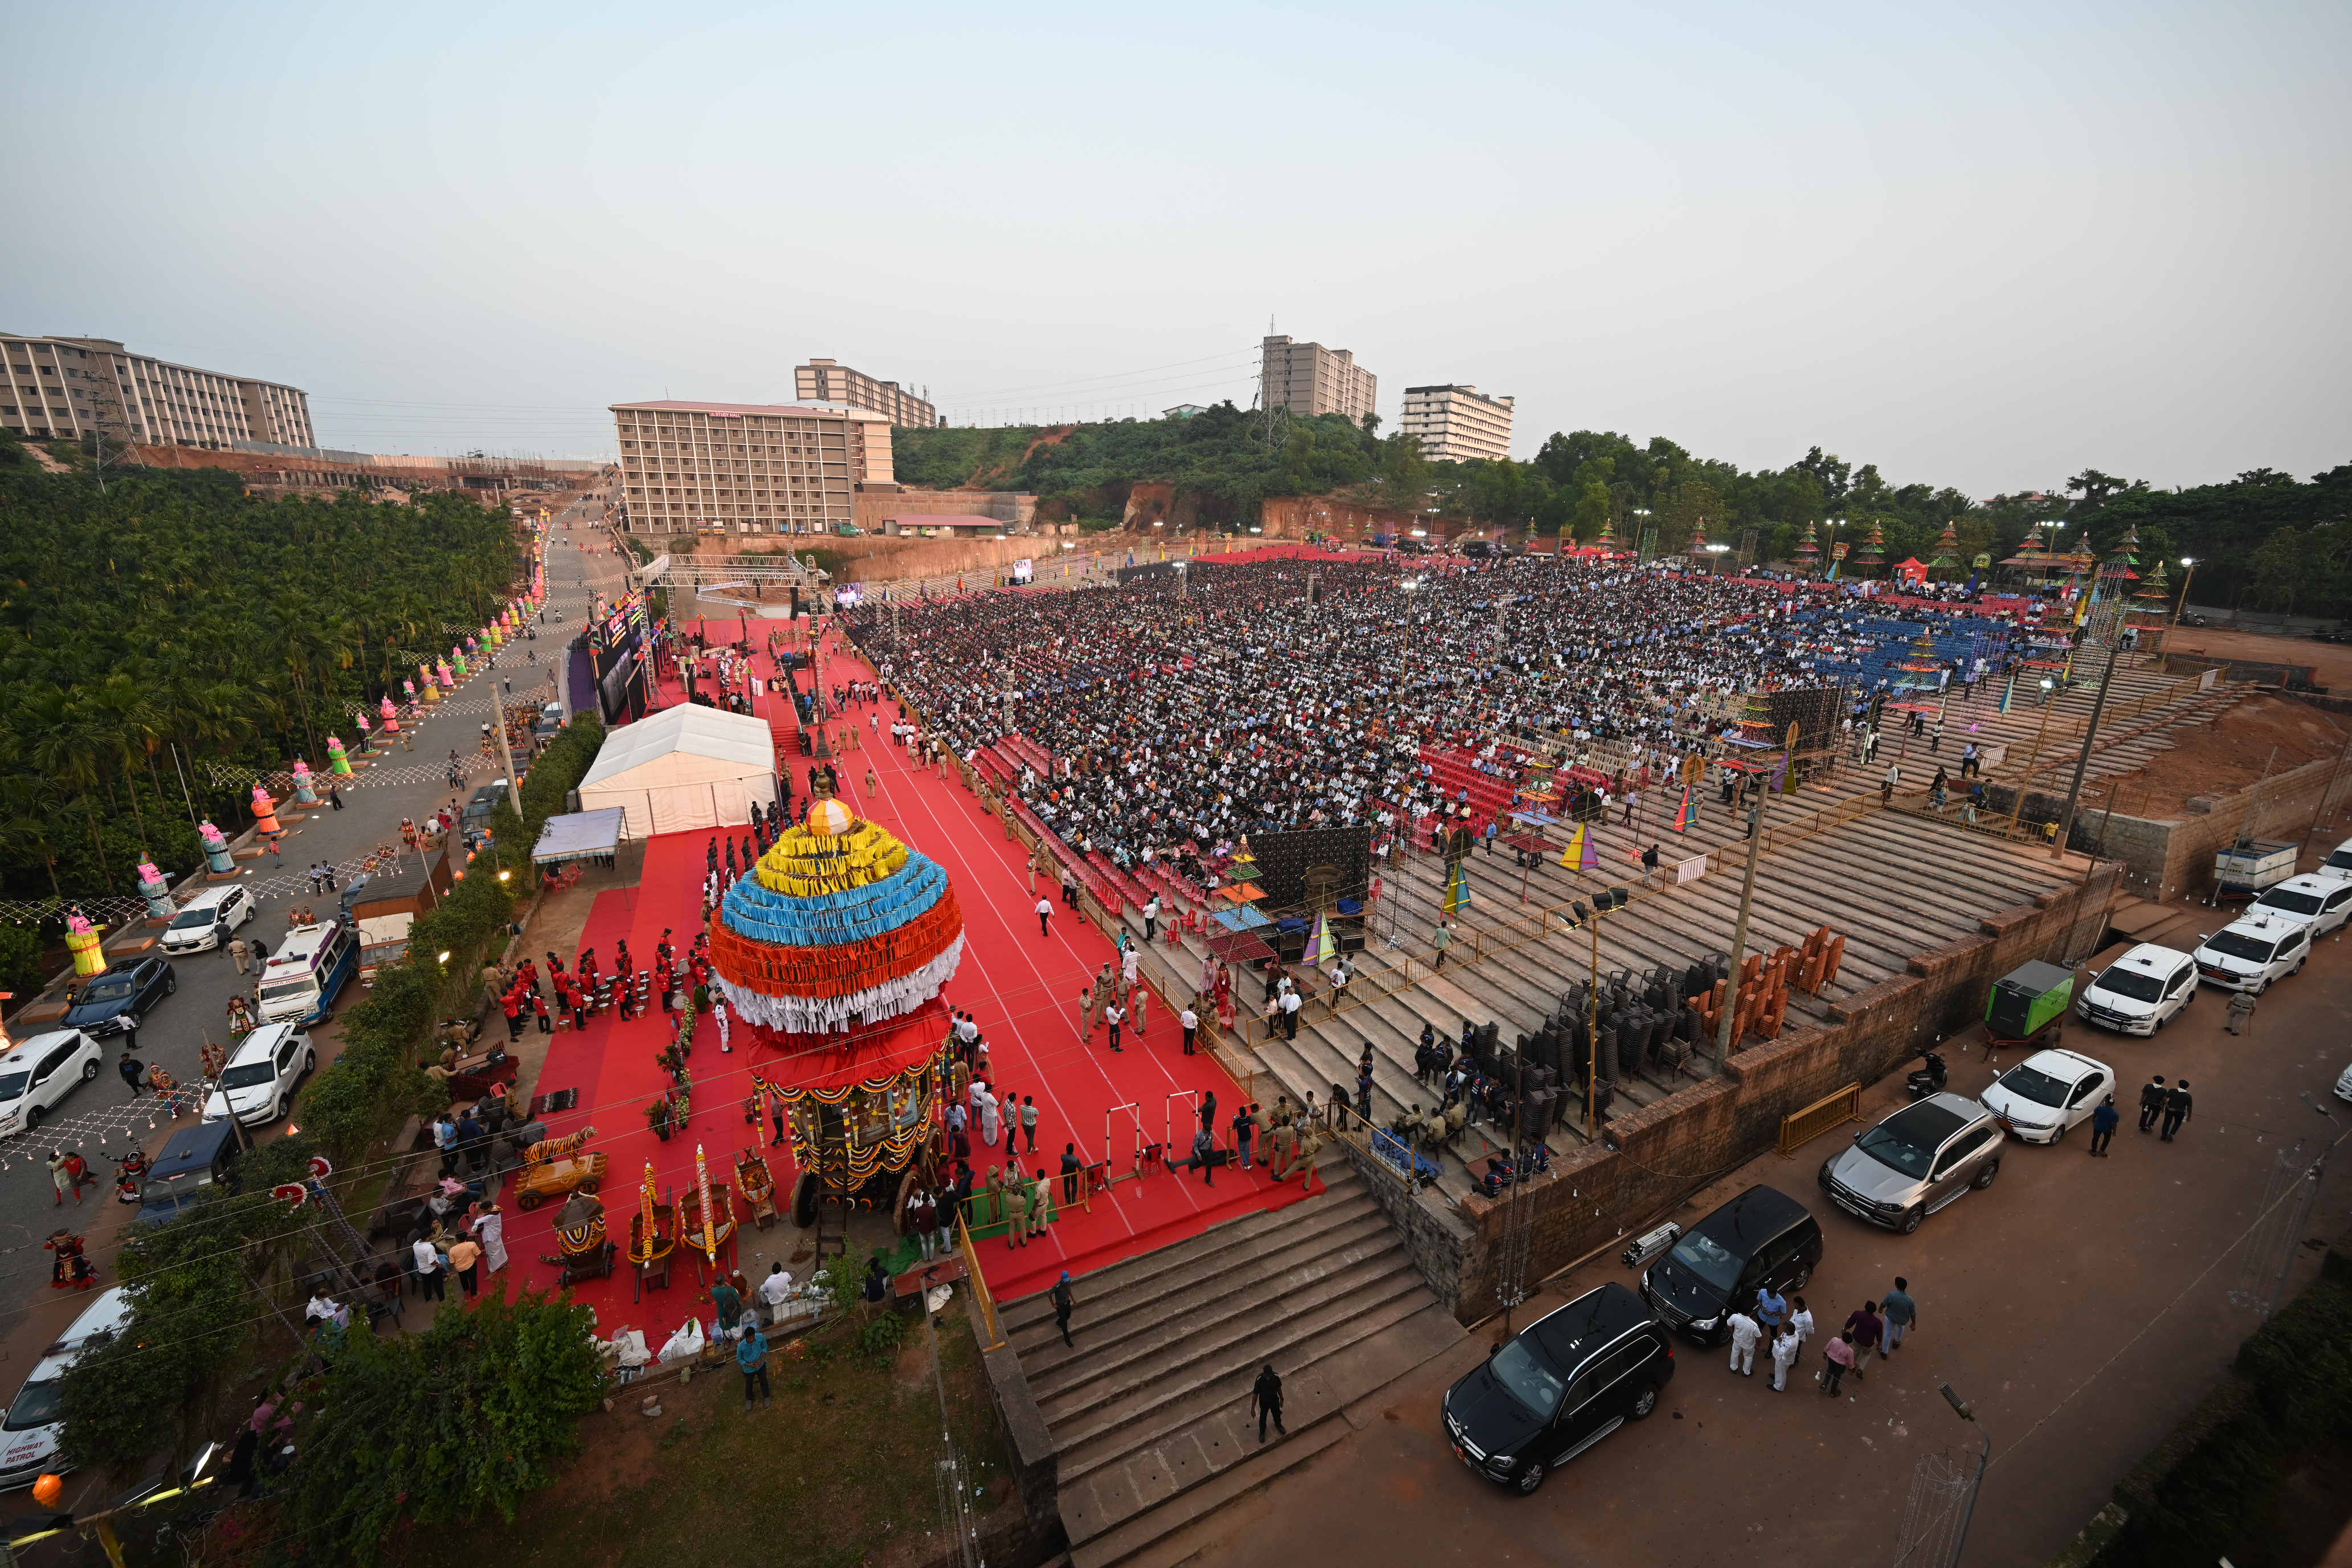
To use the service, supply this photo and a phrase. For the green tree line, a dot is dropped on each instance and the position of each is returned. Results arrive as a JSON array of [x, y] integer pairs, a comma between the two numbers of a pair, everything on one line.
[[2262, 540], [202, 1311], [171, 621]]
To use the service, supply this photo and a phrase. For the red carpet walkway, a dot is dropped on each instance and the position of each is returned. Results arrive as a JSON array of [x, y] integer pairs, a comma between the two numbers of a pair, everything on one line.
[[1022, 989]]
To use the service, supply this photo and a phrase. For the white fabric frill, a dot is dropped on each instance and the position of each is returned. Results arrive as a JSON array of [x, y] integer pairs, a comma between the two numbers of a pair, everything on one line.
[[834, 1014]]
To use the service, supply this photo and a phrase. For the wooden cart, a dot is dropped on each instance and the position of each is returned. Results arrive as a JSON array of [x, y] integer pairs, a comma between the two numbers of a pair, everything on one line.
[[757, 1183], [556, 1167]]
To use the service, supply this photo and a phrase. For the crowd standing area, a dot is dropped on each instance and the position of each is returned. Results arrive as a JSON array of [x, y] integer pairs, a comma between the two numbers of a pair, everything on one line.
[[1158, 725]]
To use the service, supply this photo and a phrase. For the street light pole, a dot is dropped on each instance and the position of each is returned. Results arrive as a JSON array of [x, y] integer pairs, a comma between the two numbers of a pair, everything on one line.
[[2082, 758], [2186, 577], [1984, 1456], [2025, 781], [1724, 1024], [514, 793]]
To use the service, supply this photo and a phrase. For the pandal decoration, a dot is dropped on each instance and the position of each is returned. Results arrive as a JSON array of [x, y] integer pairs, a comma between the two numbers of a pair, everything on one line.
[[838, 924], [834, 950]]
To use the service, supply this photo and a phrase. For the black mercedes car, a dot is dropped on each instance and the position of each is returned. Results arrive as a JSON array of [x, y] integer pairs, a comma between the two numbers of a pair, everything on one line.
[[1561, 1384], [1761, 1237], [122, 998]]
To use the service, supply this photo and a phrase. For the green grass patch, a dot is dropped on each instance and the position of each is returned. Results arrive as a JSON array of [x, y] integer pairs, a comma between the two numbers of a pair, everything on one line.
[[839, 1471]]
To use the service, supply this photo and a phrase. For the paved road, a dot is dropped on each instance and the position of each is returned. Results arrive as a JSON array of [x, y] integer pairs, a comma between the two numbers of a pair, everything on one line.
[[2083, 1305], [101, 1116]]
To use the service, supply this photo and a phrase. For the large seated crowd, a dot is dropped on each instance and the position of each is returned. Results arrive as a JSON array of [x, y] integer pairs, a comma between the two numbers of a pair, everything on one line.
[[1280, 694]]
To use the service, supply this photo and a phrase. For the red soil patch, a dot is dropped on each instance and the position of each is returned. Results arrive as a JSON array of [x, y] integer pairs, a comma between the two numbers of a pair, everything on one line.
[[2228, 755]]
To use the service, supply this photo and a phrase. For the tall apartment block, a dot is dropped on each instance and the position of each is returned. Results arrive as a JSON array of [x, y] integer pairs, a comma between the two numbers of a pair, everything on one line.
[[828, 381], [1308, 378], [65, 388], [746, 467], [1457, 423]]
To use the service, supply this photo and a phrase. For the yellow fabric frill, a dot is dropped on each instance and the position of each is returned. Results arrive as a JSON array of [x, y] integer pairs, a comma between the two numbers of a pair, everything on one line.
[[804, 865]]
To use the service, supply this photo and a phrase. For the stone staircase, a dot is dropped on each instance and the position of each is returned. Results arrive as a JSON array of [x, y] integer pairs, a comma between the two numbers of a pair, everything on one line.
[[1893, 883], [1150, 1411]]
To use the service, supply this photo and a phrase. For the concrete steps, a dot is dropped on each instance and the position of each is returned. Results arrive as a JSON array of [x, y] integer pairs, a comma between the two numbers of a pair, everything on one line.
[[1149, 1410]]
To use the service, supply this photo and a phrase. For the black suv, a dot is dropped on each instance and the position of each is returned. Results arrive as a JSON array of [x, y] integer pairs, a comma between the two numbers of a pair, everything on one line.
[[1561, 1384], [1761, 1237], [121, 999]]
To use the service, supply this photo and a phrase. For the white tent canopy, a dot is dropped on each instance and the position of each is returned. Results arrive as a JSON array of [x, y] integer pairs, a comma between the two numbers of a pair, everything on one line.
[[687, 769]]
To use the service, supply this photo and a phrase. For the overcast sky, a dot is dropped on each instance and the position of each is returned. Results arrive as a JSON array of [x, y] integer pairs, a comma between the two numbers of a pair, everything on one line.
[[1983, 245]]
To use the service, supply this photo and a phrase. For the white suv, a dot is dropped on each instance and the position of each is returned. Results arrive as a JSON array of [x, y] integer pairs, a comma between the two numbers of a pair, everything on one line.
[[2338, 863], [42, 1071], [2325, 902], [2139, 992], [2248, 954], [258, 1085], [36, 1421], [205, 921]]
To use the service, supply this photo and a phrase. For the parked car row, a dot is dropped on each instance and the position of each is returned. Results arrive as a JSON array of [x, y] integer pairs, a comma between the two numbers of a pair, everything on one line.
[[1578, 1373]]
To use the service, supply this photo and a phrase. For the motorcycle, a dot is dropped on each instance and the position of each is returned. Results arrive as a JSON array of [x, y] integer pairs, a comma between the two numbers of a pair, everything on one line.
[[130, 1172], [1927, 1079]]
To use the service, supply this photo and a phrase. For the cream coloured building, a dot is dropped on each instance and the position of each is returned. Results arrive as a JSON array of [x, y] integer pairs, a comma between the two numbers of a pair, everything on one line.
[[65, 388], [749, 468], [1308, 378], [1455, 424], [829, 381]]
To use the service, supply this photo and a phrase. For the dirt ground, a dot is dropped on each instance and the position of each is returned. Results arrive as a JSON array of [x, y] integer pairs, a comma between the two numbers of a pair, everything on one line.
[[2230, 754], [838, 1472], [2332, 662], [2084, 1306]]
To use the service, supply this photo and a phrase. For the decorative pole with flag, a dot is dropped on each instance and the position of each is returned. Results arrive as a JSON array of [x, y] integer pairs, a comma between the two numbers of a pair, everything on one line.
[[710, 1238], [2009, 691], [1457, 888], [1682, 814]]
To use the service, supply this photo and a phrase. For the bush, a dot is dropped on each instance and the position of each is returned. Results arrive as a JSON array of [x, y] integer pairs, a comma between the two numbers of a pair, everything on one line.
[[880, 1339], [20, 958], [2202, 1491], [441, 1426]]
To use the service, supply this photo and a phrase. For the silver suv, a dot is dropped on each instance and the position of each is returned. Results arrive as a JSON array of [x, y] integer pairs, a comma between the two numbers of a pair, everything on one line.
[[1916, 1161]]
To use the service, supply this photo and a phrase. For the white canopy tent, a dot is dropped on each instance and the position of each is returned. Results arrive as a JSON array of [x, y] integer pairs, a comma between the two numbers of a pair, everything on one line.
[[689, 769]]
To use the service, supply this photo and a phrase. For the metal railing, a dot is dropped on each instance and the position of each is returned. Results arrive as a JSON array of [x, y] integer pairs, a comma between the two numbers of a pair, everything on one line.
[[980, 1286], [1801, 1126], [1362, 1134]]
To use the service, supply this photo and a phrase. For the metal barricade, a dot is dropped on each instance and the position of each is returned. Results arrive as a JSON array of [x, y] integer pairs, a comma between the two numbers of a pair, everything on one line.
[[1801, 1126], [979, 1285]]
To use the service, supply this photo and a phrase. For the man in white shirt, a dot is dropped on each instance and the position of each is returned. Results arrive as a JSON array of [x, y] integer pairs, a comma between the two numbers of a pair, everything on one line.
[[1151, 917], [1192, 1022], [1045, 916], [429, 1283], [774, 1291], [1745, 1333], [1291, 1003]]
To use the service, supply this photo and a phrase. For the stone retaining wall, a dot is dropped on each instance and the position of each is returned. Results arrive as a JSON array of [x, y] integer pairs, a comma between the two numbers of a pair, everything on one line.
[[1654, 1156], [2173, 858]]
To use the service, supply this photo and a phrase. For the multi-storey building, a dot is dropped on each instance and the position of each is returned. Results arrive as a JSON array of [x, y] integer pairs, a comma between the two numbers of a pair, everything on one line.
[[1308, 378], [748, 467], [1457, 423], [828, 381], [66, 388]]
